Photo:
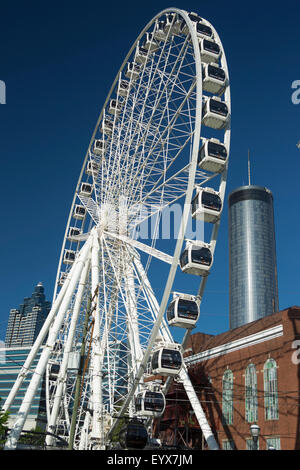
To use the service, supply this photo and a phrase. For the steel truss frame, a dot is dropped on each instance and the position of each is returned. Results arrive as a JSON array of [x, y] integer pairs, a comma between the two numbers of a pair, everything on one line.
[[158, 127]]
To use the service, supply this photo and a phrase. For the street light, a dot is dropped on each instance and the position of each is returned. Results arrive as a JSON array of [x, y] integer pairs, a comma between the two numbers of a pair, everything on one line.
[[255, 430]]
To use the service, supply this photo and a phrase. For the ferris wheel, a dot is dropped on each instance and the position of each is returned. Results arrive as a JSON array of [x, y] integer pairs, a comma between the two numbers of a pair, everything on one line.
[[161, 142]]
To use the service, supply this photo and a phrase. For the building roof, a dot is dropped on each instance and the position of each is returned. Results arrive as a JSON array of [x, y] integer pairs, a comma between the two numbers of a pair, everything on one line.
[[200, 342]]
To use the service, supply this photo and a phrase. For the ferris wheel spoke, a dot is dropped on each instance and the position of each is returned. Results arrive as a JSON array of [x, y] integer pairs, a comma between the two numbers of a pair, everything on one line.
[[143, 247], [154, 109], [160, 142]]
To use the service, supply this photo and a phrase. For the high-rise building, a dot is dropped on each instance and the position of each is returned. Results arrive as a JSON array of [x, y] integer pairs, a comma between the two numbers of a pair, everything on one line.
[[253, 289], [24, 324], [11, 362]]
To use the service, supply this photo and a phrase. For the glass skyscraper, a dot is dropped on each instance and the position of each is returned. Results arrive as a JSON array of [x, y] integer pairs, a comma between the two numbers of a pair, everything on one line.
[[11, 362], [24, 324], [253, 289]]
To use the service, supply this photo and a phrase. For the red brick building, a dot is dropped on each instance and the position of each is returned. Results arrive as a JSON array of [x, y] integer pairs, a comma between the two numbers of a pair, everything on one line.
[[244, 376]]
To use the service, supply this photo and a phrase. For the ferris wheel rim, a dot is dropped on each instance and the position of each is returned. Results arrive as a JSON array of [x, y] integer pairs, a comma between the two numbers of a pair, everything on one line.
[[90, 252], [184, 15], [192, 167]]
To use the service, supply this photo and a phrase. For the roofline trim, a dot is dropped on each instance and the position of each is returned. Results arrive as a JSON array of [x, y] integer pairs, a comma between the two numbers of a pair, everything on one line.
[[247, 341]]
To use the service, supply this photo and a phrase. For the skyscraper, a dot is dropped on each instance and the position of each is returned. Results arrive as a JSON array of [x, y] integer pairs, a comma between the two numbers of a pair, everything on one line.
[[25, 323], [253, 289]]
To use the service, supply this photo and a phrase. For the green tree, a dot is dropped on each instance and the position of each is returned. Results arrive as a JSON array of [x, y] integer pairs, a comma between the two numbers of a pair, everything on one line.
[[3, 424], [35, 437]]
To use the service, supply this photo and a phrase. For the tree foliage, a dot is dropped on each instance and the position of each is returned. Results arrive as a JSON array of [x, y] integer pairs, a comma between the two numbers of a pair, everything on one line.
[[3, 424]]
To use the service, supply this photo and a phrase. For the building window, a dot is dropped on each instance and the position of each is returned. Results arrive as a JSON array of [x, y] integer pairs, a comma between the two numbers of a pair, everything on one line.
[[270, 390], [227, 397], [228, 445], [273, 442], [251, 404]]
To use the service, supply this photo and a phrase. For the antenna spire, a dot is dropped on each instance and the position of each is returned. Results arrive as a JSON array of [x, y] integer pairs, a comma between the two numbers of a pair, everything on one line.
[[249, 180]]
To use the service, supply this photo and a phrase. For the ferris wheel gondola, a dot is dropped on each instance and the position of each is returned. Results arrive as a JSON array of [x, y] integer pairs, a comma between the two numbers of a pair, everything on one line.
[[183, 311], [207, 205], [133, 436], [197, 258], [143, 157], [213, 156], [166, 361], [150, 403]]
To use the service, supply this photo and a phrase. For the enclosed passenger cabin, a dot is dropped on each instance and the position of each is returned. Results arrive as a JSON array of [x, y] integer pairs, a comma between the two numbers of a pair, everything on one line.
[[54, 369], [196, 259], [133, 70], [86, 189], [172, 24], [92, 168], [194, 18], [215, 113], [123, 88], [150, 44], [133, 436], [209, 50], [79, 212], [207, 205], [115, 107], [166, 361], [141, 55], [150, 403], [214, 79], [202, 30], [69, 256], [183, 312], [212, 156], [99, 147], [73, 234], [62, 278], [159, 32], [107, 126]]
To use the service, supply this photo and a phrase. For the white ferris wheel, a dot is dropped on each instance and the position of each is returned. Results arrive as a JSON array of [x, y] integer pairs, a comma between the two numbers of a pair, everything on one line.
[[162, 139]]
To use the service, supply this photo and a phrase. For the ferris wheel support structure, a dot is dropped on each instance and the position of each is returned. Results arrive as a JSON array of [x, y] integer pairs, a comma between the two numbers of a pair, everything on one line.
[[147, 156], [41, 366], [68, 350], [183, 375]]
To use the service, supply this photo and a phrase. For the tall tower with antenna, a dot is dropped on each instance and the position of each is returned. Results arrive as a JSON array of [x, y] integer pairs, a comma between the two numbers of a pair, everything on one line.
[[253, 285]]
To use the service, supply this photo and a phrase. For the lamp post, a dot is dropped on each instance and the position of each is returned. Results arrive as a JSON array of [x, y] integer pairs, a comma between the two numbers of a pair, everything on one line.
[[255, 430]]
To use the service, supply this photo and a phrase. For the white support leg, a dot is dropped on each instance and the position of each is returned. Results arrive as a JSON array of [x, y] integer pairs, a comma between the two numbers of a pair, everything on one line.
[[132, 326], [67, 350], [132, 321], [96, 383], [203, 423], [41, 336], [200, 415], [15, 432]]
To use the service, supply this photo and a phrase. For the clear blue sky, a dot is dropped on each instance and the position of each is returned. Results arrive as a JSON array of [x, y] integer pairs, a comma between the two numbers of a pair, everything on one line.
[[58, 61]]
